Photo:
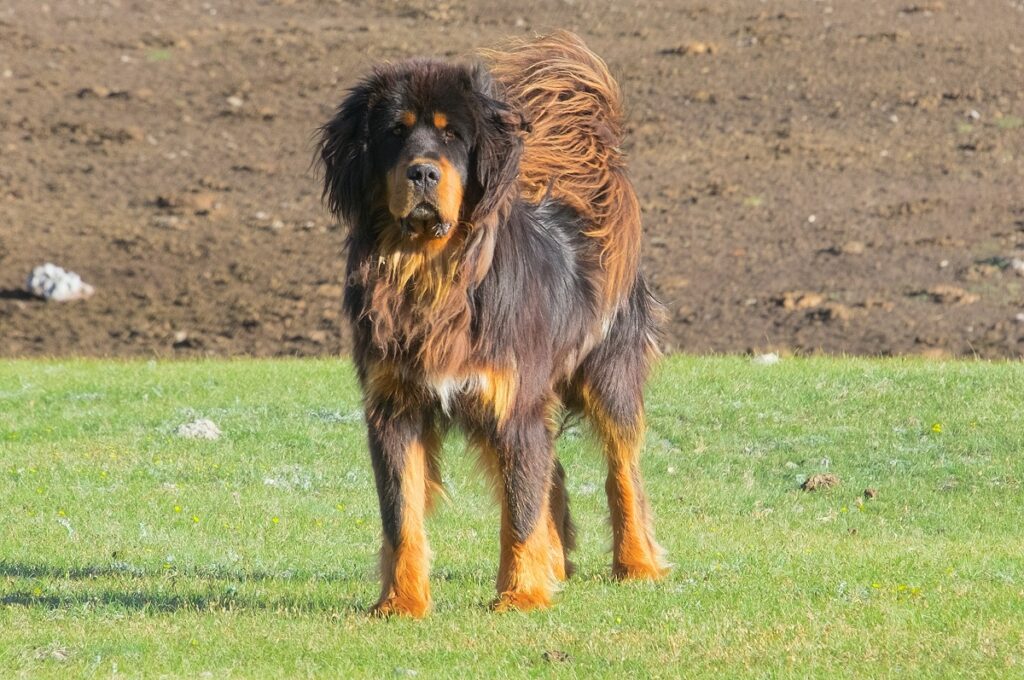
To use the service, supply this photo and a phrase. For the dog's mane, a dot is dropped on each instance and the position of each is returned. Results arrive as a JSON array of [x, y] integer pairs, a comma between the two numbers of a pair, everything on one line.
[[573, 107], [419, 304]]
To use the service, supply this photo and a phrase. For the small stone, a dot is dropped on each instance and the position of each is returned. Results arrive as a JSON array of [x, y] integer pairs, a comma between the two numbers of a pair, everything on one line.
[[235, 102], [133, 133], [199, 429], [202, 202], [51, 282], [97, 91], [769, 359], [167, 222], [852, 248]]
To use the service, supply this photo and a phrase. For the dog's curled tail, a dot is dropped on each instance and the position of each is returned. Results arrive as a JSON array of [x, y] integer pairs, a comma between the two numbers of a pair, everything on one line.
[[572, 149]]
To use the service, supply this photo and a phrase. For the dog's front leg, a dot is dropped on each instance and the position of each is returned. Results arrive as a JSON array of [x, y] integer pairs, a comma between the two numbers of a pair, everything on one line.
[[532, 560], [402, 444]]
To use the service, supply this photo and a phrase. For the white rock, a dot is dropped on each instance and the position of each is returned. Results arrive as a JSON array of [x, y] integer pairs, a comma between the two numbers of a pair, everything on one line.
[[51, 282], [199, 429], [766, 359]]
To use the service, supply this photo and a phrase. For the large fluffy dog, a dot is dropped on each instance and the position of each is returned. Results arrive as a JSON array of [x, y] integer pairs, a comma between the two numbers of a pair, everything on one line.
[[493, 282]]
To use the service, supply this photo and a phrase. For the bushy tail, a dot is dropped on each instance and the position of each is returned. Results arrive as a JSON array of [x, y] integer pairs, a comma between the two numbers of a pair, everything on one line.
[[574, 109]]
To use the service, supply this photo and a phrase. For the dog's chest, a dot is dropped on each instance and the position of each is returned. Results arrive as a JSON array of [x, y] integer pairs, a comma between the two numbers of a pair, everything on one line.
[[450, 390]]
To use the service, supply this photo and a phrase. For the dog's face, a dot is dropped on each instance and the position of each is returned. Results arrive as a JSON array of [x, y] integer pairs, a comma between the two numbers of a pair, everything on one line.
[[420, 146], [425, 155]]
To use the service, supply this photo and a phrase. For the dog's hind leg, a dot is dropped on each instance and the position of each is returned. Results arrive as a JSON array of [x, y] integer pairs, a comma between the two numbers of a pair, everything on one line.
[[560, 529], [609, 388]]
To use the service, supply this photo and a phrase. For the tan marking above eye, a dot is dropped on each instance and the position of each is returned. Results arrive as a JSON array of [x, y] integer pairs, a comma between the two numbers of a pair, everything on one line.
[[408, 118], [440, 120]]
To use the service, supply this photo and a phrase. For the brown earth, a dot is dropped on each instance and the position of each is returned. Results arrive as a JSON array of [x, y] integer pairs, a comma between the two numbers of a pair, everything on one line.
[[843, 177]]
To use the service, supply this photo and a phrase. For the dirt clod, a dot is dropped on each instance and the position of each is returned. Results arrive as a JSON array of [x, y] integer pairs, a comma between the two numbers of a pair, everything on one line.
[[691, 48], [946, 294], [800, 300], [821, 480], [870, 493]]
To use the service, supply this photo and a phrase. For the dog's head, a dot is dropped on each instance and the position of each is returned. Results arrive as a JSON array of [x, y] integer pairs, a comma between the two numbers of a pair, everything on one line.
[[420, 147]]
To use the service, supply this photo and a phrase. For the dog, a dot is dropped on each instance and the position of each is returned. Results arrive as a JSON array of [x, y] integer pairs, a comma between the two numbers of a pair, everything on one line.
[[493, 285]]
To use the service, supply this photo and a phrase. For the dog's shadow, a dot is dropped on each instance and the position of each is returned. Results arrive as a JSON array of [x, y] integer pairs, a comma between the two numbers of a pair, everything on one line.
[[215, 590]]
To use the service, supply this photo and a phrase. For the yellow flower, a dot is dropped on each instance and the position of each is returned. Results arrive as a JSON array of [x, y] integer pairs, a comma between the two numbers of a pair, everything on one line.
[[177, 508], [195, 519], [275, 520], [937, 427]]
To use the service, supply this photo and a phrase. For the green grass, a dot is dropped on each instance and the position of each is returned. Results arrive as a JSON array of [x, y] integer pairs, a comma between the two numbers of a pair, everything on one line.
[[124, 549]]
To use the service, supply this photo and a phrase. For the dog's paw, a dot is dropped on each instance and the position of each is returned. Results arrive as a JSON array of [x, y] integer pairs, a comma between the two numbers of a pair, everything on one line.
[[640, 571], [521, 601], [399, 606]]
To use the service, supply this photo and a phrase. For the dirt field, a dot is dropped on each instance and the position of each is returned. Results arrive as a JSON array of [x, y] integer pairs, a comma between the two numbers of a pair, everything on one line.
[[826, 176]]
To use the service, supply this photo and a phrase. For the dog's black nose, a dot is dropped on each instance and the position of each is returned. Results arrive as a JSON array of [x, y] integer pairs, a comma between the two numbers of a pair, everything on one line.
[[426, 174]]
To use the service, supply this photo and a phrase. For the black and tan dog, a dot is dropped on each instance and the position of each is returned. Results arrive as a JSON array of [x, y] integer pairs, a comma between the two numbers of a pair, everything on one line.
[[492, 282]]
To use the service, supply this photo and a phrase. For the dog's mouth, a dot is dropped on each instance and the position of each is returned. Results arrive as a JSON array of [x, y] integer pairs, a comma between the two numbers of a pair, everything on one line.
[[425, 220]]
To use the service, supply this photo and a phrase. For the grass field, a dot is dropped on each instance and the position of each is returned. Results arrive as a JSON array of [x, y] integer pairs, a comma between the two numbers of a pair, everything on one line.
[[127, 550]]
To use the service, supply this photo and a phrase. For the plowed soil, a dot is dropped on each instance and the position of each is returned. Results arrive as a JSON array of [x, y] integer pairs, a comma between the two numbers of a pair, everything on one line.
[[839, 177]]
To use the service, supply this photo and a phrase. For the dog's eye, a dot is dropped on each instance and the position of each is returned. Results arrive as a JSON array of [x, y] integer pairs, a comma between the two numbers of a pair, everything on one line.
[[398, 130], [448, 135]]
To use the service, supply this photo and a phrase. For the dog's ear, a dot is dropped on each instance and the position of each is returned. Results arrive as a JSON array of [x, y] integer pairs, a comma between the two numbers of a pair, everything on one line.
[[344, 154], [497, 147]]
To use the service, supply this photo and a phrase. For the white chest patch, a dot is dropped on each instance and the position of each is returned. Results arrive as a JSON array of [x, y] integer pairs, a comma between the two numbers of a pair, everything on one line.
[[448, 388]]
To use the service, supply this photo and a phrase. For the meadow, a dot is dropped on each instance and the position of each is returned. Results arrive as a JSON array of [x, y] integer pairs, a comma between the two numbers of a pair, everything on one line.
[[127, 550]]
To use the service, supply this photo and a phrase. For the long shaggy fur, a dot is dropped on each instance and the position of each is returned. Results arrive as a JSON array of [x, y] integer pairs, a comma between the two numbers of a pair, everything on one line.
[[529, 303], [573, 107]]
